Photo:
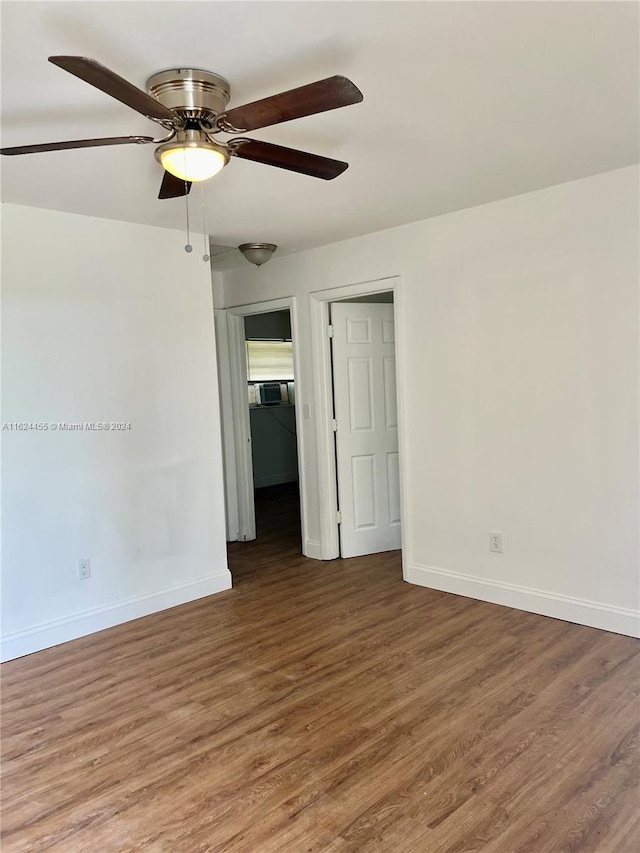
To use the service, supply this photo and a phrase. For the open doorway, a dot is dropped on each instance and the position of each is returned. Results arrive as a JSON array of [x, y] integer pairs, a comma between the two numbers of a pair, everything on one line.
[[272, 422], [261, 435], [380, 291]]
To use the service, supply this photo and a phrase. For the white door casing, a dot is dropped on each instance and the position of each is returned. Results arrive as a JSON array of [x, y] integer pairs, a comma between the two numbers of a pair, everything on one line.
[[364, 379], [239, 485]]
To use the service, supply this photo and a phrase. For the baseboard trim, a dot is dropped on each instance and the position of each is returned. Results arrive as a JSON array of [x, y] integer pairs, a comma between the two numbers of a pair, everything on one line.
[[72, 627], [312, 549], [619, 620]]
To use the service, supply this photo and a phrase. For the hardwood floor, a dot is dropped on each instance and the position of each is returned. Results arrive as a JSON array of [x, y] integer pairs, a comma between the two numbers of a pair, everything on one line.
[[325, 708]]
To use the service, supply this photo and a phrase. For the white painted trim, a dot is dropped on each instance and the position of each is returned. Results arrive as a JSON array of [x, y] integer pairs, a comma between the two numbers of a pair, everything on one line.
[[401, 396], [72, 627], [300, 387], [323, 400], [325, 440], [313, 549], [619, 620], [242, 427], [237, 370], [226, 421]]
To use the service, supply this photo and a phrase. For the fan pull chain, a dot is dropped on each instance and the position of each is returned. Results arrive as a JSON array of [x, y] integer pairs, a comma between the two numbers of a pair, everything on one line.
[[205, 256], [188, 247]]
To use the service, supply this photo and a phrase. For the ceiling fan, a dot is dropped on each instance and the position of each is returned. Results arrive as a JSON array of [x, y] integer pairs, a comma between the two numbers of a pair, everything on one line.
[[191, 105]]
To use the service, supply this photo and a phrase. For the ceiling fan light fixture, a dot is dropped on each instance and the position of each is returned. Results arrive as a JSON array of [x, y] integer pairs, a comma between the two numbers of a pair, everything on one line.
[[192, 105], [258, 253], [192, 159]]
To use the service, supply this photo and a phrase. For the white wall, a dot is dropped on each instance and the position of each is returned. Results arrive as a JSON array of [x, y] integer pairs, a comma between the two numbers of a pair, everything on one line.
[[518, 323], [105, 321]]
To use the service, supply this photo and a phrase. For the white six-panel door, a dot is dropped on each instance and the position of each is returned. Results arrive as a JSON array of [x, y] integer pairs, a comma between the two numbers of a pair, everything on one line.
[[364, 379]]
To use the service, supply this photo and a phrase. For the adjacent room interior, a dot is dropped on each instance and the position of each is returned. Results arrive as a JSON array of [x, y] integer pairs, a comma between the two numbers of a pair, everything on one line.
[[272, 416]]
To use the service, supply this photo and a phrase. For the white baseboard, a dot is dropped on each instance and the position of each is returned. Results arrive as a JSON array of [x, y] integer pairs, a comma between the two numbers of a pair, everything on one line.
[[312, 549], [97, 619], [617, 619]]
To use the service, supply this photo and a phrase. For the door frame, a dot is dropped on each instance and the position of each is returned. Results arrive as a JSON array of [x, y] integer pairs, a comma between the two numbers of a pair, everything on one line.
[[240, 498], [319, 302]]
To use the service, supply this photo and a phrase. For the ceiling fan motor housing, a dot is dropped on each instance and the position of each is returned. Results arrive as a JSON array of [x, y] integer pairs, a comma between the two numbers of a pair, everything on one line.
[[191, 92]]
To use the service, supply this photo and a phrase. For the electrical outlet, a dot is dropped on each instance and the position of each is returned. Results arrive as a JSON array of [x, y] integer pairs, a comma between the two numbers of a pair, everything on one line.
[[495, 542], [84, 569]]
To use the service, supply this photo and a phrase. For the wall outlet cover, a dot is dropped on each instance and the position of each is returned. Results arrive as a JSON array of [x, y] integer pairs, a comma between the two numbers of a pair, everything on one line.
[[495, 542]]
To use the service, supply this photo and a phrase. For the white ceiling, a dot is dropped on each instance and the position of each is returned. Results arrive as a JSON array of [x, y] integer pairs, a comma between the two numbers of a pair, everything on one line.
[[464, 103]]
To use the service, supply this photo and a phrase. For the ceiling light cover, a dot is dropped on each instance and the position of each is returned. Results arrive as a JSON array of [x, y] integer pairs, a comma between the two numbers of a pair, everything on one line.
[[192, 161], [257, 253]]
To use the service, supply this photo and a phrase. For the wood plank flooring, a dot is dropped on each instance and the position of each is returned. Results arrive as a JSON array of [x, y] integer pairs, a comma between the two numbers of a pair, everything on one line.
[[324, 708]]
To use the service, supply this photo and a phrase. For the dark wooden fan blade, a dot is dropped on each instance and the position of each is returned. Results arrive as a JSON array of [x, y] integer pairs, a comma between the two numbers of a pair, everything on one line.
[[307, 100], [107, 81], [288, 158], [77, 143], [172, 187]]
